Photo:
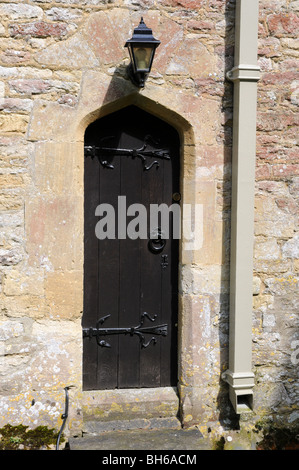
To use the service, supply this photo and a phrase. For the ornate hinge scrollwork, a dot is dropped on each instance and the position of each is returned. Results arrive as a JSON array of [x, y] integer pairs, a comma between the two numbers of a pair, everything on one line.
[[102, 153], [138, 330]]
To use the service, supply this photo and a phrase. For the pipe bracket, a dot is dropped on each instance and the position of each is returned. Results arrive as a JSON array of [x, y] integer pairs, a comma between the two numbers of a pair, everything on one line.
[[245, 73]]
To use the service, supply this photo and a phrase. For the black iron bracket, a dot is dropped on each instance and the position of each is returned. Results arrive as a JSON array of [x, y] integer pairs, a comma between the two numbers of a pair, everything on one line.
[[138, 330]]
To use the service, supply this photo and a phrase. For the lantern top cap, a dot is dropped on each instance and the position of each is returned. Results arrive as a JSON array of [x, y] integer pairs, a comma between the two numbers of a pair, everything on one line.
[[143, 34]]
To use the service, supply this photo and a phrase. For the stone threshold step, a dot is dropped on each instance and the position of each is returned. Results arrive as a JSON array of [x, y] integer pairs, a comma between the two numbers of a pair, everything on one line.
[[142, 439], [96, 427], [128, 404]]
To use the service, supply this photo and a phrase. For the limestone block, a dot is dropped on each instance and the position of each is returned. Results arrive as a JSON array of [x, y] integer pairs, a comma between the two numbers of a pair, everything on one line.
[[71, 53], [27, 305], [51, 121], [12, 56], [197, 405], [101, 92], [291, 248], [29, 86], [11, 219], [14, 11], [266, 249], [10, 329], [171, 35], [10, 180], [13, 123], [186, 4], [104, 33], [58, 167], [256, 288], [283, 24], [10, 257], [199, 244], [270, 220], [63, 292], [272, 266], [39, 29], [215, 242], [58, 359], [208, 126], [282, 286], [204, 280], [20, 282], [10, 200], [63, 14], [199, 357], [54, 232], [16, 105], [192, 58]]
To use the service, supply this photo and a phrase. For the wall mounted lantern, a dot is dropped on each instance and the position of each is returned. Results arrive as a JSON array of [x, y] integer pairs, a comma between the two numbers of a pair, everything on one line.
[[142, 47]]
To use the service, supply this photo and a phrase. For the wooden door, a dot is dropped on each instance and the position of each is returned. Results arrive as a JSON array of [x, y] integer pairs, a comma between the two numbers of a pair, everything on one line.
[[130, 283]]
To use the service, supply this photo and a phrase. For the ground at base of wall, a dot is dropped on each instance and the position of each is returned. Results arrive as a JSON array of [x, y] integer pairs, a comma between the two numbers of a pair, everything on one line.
[[267, 437], [21, 438], [279, 438]]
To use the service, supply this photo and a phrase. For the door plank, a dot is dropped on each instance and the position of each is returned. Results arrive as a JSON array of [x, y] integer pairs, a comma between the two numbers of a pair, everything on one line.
[[108, 282], [150, 357], [91, 176], [129, 295]]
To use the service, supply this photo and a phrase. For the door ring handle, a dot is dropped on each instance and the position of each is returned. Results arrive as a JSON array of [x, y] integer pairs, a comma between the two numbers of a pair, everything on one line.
[[156, 245]]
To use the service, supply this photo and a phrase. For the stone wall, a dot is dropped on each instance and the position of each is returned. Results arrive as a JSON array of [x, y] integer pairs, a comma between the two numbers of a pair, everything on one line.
[[275, 337], [62, 65]]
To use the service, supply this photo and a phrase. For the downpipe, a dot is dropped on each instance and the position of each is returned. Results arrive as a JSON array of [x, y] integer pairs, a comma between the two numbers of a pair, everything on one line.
[[244, 75]]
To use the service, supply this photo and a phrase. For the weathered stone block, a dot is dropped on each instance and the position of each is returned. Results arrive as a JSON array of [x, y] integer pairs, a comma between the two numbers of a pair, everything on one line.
[[188, 4], [63, 14], [20, 11], [11, 56], [103, 35], [16, 105], [283, 24], [9, 180], [71, 53], [29, 86], [27, 305], [53, 232], [272, 221], [21, 282], [63, 291], [50, 161], [10, 257], [39, 29], [192, 58], [290, 249], [266, 249], [13, 123], [49, 119]]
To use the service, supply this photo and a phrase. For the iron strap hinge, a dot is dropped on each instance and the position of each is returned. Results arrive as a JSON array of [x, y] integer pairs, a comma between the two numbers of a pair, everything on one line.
[[138, 330], [103, 153]]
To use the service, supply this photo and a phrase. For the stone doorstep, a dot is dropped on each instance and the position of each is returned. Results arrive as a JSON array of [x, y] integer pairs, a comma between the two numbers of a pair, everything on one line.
[[121, 405], [142, 439], [138, 419], [99, 427]]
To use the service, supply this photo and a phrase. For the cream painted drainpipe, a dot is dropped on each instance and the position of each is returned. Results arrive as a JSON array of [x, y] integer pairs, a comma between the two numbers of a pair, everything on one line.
[[245, 76]]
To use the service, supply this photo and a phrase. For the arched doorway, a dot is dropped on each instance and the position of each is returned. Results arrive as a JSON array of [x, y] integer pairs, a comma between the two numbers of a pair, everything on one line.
[[131, 175]]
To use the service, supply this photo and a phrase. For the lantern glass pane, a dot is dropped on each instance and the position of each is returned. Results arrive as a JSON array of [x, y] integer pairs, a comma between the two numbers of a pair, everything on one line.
[[143, 58]]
